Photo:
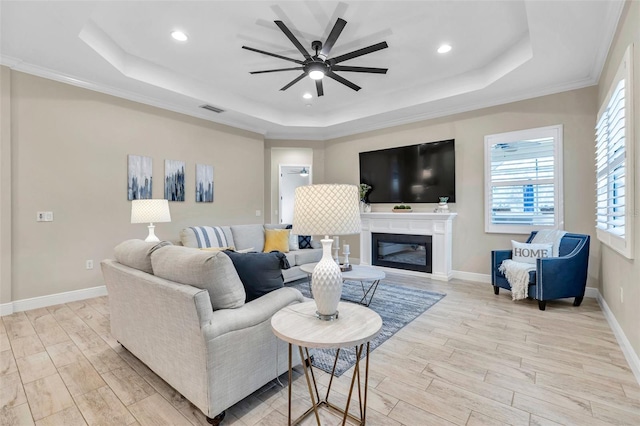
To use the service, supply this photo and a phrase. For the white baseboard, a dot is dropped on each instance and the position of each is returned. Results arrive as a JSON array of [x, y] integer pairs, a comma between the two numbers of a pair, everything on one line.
[[625, 345], [472, 276], [52, 299]]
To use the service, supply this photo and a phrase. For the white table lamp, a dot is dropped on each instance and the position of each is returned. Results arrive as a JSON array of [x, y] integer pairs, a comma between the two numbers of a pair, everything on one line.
[[326, 210], [150, 211]]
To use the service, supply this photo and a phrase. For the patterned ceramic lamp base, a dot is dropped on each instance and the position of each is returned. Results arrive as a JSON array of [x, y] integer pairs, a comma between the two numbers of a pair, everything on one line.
[[327, 284]]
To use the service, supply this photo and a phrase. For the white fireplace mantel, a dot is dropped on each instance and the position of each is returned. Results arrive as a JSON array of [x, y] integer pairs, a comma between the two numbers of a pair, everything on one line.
[[438, 225]]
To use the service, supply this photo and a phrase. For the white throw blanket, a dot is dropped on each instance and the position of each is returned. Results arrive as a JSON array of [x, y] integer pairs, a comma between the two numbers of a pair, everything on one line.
[[550, 236], [517, 274]]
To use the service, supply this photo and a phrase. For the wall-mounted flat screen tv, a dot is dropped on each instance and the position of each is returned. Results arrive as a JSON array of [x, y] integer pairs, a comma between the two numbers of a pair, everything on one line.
[[410, 174]]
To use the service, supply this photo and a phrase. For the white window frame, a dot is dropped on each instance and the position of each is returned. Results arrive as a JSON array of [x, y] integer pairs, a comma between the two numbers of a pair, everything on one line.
[[554, 132], [606, 232]]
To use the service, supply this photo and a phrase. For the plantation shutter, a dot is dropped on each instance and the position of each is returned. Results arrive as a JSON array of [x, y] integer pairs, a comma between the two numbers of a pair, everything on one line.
[[523, 182], [610, 165]]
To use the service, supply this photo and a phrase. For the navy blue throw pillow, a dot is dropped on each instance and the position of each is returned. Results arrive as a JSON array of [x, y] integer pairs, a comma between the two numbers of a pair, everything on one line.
[[260, 273], [304, 241]]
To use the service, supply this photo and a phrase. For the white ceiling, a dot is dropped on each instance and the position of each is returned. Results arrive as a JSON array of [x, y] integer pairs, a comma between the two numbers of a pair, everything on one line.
[[502, 51]]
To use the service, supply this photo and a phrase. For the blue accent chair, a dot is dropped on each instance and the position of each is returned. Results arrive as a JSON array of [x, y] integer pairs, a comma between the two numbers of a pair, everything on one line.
[[554, 277]]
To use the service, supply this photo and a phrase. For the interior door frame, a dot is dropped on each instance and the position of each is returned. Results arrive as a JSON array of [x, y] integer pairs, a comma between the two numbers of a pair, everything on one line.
[[280, 176]]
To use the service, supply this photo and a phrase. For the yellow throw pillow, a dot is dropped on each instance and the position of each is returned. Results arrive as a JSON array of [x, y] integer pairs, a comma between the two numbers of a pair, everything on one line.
[[276, 239]]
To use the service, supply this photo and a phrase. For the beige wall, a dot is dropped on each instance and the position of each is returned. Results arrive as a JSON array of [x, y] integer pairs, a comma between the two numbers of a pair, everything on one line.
[[619, 272], [5, 185], [576, 110], [70, 148], [283, 152]]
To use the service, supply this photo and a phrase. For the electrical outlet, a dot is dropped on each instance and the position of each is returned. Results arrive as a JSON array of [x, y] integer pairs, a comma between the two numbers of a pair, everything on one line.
[[258, 213], [89, 264], [621, 295]]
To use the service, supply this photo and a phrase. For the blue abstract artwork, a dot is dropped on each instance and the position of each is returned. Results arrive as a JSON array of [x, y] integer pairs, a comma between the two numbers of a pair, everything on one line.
[[140, 179], [204, 183], [174, 180]]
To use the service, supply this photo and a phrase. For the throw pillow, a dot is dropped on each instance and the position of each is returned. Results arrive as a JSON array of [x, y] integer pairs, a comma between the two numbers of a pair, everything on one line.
[[293, 240], [276, 239], [204, 236], [137, 253], [528, 253], [216, 249], [304, 241], [260, 273], [213, 272]]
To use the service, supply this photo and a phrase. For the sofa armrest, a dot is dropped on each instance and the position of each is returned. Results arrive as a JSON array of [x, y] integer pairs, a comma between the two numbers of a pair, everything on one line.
[[250, 314]]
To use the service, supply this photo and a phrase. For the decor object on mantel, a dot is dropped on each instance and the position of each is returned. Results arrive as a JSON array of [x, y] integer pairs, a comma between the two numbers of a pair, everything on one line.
[[149, 211], [326, 210], [402, 209], [365, 207], [443, 207]]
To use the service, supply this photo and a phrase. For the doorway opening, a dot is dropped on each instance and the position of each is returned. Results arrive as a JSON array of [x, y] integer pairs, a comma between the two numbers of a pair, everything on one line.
[[291, 177]]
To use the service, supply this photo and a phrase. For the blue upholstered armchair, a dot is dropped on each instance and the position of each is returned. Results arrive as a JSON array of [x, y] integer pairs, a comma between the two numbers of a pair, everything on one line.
[[554, 277]]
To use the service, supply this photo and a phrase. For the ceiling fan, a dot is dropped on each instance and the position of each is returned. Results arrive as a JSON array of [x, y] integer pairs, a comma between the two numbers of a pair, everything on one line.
[[320, 65], [303, 172]]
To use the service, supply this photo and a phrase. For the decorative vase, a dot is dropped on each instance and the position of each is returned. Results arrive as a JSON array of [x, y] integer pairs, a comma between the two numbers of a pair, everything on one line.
[[367, 208], [443, 207], [326, 284]]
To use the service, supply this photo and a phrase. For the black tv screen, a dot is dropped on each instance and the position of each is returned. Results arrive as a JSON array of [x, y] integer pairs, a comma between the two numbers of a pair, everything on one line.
[[410, 174]]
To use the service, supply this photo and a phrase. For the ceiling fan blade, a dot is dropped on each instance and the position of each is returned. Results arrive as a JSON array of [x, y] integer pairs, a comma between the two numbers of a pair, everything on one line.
[[319, 88], [281, 69], [293, 39], [295, 80], [272, 54], [342, 80], [359, 69], [333, 36], [359, 52]]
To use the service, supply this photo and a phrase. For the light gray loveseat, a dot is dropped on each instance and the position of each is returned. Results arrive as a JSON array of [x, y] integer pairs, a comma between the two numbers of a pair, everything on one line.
[[251, 237], [182, 312]]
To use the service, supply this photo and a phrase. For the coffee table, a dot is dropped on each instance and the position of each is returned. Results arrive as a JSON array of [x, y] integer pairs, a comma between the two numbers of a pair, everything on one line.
[[357, 325], [364, 274]]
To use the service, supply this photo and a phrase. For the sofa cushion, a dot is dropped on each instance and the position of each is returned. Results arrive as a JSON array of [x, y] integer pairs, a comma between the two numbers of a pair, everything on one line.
[[276, 239], [260, 273], [137, 253], [245, 236], [293, 240], [304, 241], [528, 253], [206, 236], [211, 271], [308, 256]]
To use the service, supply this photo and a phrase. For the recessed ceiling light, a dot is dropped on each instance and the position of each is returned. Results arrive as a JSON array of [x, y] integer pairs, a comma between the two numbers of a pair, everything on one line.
[[307, 96], [444, 48], [179, 35]]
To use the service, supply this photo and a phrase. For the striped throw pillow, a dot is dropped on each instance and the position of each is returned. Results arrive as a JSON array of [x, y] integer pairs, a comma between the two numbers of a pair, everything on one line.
[[209, 236]]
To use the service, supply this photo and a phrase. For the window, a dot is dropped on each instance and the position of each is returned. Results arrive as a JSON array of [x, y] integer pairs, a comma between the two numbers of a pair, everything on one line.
[[523, 180], [614, 163]]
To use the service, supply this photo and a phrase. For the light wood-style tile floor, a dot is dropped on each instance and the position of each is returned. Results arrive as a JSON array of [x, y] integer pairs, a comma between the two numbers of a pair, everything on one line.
[[472, 359]]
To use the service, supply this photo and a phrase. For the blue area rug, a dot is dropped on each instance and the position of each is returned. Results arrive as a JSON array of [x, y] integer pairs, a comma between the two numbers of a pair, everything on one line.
[[396, 304]]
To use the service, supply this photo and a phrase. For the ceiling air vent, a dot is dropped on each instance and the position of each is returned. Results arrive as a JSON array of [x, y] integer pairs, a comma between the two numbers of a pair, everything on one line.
[[212, 108]]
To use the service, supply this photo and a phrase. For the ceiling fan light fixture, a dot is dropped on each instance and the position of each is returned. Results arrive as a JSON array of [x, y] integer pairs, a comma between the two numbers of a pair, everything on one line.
[[179, 35], [304, 172], [316, 75]]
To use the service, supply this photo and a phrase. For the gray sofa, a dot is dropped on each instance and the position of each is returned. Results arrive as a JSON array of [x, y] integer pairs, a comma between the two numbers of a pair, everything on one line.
[[252, 237], [182, 312]]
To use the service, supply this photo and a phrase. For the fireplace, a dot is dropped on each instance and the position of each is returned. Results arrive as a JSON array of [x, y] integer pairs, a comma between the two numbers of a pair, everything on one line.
[[410, 252]]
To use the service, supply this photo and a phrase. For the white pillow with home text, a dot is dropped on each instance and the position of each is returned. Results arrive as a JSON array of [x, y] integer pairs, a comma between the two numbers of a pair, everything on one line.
[[528, 253]]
